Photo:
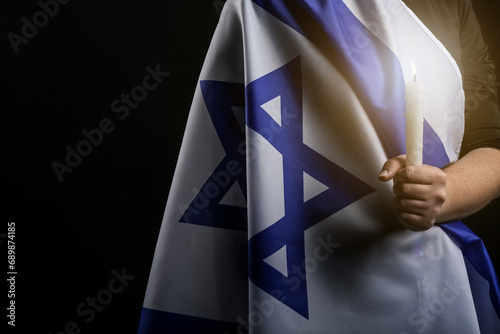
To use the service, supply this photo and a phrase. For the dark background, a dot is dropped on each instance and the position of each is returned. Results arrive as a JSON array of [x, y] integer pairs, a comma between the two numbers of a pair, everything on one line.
[[105, 215]]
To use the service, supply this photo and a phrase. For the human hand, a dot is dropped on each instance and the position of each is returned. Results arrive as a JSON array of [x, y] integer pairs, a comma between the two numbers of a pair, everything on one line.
[[420, 192]]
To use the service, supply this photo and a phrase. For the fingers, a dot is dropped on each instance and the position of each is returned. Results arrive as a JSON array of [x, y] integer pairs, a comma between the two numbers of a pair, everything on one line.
[[391, 167], [428, 183], [424, 174], [418, 207], [410, 190], [414, 222], [420, 192], [424, 192], [415, 215]]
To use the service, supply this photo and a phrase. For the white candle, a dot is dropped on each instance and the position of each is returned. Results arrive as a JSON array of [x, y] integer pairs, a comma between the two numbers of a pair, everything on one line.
[[414, 120]]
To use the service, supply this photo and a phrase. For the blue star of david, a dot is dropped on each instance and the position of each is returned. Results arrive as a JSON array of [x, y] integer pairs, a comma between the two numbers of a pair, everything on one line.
[[206, 208], [342, 187]]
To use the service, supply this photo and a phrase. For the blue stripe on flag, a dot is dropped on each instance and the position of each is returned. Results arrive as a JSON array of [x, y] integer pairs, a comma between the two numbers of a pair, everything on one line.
[[372, 69], [475, 252], [434, 153], [159, 322]]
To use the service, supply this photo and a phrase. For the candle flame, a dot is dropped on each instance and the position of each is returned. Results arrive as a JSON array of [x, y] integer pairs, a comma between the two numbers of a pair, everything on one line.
[[414, 71]]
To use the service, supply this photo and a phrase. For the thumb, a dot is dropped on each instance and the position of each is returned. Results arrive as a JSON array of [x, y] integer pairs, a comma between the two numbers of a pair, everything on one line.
[[391, 167]]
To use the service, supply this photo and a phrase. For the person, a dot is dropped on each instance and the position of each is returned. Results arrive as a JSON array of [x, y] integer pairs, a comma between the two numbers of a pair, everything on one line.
[[276, 222]]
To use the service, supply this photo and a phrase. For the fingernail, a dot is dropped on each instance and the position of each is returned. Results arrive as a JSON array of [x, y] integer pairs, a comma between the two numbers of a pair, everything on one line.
[[383, 173]]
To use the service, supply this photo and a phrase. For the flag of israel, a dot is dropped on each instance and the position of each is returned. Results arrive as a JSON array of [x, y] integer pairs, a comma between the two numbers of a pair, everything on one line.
[[276, 222]]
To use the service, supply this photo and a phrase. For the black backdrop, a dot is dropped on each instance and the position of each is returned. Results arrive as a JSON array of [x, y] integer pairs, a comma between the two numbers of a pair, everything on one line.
[[76, 233]]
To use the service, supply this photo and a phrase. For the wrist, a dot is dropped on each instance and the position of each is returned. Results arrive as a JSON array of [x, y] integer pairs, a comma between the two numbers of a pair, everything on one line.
[[448, 209]]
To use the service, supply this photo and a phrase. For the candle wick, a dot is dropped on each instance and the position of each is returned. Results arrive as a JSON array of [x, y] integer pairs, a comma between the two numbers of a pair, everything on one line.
[[414, 77]]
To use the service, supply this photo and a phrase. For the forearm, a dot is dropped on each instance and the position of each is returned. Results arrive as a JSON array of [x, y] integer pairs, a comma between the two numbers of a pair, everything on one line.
[[472, 182]]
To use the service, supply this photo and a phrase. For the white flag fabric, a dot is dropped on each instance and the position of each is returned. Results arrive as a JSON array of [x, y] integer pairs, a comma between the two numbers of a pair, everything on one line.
[[276, 222]]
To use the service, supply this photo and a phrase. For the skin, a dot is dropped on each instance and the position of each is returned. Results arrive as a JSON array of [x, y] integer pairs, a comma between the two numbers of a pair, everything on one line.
[[426, 195]]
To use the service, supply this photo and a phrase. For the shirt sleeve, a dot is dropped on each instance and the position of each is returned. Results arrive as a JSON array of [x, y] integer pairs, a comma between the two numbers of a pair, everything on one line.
[[482, 115]]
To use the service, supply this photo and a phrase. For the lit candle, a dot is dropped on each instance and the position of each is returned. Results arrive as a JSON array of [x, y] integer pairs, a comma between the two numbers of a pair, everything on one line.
[[414, 120]]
